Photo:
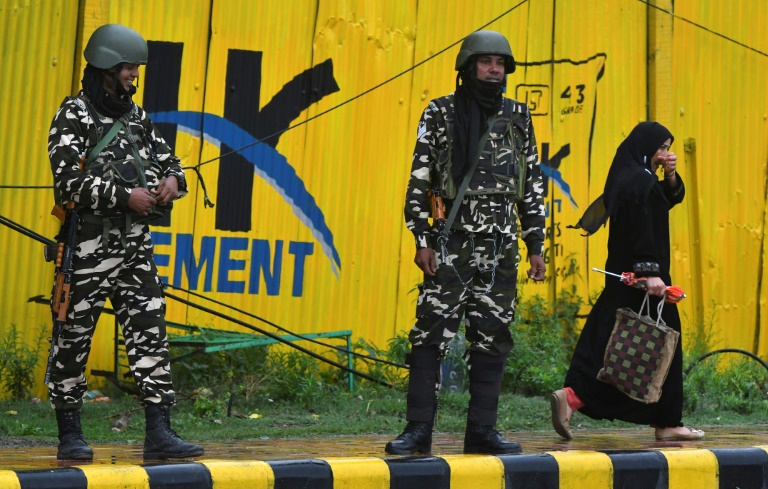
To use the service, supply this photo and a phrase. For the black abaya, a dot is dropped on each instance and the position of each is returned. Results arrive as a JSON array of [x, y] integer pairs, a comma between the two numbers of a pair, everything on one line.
[[638, 235]]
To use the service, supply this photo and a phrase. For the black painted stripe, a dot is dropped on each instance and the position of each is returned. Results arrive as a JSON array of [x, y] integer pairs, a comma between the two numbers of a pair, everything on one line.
[[302, 474], [179, 476], [161, 93], [296, 96], [241, 107], [745, 468], [639, 470], [530, 471], [419, 473], [68, 478]]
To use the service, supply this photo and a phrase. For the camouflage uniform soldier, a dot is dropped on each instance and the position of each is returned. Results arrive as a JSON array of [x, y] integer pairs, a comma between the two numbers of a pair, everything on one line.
[[470, 268], [133, 179]]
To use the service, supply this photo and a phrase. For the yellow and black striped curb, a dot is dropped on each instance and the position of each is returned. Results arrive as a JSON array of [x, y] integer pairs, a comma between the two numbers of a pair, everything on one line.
[[744, 468]]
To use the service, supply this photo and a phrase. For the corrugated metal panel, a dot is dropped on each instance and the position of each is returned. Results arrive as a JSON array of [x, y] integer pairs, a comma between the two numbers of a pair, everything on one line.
[[356, 154], [37, 44], [256, 49], [721, 103], [317, 242], [598, 94]]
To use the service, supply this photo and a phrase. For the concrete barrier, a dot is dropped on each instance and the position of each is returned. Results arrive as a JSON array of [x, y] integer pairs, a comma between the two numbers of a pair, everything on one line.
[[743, 468]]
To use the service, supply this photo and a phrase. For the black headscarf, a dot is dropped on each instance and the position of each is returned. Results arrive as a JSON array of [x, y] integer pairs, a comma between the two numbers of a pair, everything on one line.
[[473, 102], [630, 178], [106, 104]]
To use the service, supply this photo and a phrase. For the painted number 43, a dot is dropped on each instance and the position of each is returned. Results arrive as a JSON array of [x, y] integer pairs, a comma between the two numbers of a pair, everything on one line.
[[574, 106]]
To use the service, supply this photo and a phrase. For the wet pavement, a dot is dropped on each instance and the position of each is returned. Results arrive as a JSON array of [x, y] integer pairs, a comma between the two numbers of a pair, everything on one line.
[[270, 450]]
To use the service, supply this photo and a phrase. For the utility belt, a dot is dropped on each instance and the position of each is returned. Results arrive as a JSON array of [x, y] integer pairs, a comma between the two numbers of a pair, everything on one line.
[[123, 222]]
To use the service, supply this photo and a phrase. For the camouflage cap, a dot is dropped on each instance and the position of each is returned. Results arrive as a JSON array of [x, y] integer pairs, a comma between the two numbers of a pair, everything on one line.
[[112, 44], [485, 42]]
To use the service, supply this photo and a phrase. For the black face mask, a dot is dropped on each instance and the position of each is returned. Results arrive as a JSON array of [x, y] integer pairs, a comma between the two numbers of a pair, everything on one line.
[[114, 106]]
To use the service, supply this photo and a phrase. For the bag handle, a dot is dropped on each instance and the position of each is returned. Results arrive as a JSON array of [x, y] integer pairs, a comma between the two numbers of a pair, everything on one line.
[[659, 308], [645, 308]]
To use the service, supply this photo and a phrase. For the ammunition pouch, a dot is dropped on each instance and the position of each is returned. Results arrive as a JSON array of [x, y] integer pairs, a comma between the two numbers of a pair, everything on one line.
[[124, 173], [50, 252], [127, 173], [445, 162]]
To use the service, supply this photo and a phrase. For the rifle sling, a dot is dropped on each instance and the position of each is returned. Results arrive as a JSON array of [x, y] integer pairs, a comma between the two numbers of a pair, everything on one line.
[[465, 183], [103, 142]]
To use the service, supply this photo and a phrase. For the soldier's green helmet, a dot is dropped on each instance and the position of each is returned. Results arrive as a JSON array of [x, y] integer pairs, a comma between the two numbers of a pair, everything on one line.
[[485, 42], [112, 44]]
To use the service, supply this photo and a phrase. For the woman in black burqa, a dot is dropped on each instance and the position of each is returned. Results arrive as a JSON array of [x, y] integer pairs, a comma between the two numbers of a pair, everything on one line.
[[637, 204]]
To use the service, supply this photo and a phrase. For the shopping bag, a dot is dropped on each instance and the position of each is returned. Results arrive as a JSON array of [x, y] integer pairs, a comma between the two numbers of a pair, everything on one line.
[[638, 353]]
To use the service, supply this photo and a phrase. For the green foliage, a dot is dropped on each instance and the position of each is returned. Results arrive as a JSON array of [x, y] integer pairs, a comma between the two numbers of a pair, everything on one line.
[[298, 377], [398, 347], [18, 361], [210, 405], [738, 385], [239, 369], [545, 335], [724, 382]]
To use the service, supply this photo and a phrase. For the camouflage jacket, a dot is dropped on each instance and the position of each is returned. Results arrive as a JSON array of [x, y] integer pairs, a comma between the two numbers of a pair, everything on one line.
[[479, 212], [73, 133]]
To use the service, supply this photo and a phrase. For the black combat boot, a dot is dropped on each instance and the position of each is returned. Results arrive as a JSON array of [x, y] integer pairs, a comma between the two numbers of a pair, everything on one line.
[[486, 439], [72, 444], [161, 441], [485, 375], [416, 437], [424, 364]]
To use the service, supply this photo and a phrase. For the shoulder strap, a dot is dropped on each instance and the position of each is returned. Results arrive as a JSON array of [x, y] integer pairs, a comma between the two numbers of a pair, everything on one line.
[[85, 104], [109, 136], [523, 170], [442, 103], [465, 183], [103, 142], [94, 152]]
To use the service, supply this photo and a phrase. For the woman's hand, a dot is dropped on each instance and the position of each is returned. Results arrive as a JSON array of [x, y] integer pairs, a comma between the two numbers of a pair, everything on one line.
[[656, 286], [669, 164]]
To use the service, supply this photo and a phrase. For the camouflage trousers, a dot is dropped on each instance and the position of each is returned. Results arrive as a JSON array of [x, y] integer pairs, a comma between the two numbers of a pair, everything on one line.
[[124, 271], [478, 282]]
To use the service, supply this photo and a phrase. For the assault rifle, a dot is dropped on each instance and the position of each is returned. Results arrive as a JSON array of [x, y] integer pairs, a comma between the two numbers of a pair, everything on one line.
[[62, 254], [437, 206]]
